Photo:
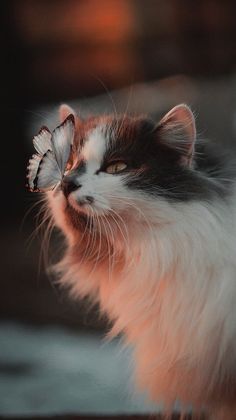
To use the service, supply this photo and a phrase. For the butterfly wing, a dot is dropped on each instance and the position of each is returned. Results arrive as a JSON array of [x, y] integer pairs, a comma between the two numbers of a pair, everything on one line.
[[47, 167], [32, 170], [62, 139], [42, 142], [48, 173]]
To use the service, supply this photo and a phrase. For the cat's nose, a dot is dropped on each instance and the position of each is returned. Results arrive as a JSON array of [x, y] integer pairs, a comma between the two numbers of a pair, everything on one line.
[[87, 199], [69, 185]]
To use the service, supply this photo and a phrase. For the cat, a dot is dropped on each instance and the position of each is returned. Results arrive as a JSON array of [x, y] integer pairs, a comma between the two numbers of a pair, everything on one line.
[[149, 217]]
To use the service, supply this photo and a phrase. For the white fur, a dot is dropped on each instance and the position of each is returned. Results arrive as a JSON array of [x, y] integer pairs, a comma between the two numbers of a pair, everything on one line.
[[175, 296], [99, 185], [95, 145]]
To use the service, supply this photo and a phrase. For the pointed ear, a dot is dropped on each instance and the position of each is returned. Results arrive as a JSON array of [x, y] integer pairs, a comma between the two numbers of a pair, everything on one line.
[[177, 130], [65, 111]]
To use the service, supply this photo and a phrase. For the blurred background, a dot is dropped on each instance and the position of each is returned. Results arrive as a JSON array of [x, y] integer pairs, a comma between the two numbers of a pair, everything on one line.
[[98, 56]]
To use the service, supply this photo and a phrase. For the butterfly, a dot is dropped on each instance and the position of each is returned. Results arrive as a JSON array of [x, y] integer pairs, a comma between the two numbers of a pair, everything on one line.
[[46, 168]]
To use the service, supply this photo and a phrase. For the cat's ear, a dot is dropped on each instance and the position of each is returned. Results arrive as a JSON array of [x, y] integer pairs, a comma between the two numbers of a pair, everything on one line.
[[177, 130], [64, 111]]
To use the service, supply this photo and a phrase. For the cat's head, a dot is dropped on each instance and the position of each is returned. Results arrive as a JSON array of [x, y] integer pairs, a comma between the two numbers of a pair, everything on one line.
[[121, 167]]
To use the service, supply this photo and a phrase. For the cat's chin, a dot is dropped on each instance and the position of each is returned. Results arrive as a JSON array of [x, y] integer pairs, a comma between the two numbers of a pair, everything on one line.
[[89, 210], [76, 217], [81, 210]]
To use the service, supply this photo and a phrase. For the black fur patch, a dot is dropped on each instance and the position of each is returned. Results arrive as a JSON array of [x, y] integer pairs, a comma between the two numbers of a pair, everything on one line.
[[69, 182], [138, 142]]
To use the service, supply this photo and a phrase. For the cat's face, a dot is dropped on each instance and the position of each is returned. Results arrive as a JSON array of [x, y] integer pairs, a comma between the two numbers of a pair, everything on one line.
[[121, 166]]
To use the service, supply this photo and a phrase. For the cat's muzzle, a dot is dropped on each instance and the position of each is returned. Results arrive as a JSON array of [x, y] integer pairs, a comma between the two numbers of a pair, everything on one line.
[[69, 185]]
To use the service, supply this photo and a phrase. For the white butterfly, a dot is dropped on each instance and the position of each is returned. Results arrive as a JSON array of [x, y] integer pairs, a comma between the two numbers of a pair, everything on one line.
[[47, 167]]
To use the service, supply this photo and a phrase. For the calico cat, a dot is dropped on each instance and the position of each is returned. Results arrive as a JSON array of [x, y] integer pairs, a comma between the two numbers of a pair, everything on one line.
[[149, 217]]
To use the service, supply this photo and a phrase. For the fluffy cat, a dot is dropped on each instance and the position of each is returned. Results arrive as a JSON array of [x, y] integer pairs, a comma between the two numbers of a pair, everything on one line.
[[149, 217]]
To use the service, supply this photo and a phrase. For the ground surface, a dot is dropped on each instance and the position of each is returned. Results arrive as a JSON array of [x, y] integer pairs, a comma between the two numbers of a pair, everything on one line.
[[53, 370]]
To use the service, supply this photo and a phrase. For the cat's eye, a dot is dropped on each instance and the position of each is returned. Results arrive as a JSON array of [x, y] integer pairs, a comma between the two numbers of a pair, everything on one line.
[[116, 167]]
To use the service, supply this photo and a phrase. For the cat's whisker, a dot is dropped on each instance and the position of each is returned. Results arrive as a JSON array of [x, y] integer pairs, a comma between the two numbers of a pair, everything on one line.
[[126, 110], [107, 230], [106, 237], [39, 226], [99, 248], [111, 254], [100, 238], [45, 244], [84, 232], [42, 214], [94, 236], [125, 237], [87, 236], [91, 237], [107, 92], [43, 114], [137, 209], [34, 205]]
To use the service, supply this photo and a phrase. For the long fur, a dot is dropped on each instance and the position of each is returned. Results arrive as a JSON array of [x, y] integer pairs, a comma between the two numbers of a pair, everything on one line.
[[164, 272]]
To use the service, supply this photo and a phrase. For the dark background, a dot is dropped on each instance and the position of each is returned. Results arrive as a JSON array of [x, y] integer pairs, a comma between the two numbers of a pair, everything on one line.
[[163, 52]]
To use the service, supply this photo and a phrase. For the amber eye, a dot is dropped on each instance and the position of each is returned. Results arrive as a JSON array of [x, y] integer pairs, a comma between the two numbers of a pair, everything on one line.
[[116, 167]]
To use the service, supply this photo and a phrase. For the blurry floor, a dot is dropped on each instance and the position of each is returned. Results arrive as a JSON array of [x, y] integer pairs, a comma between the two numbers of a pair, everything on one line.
[[52, 370]]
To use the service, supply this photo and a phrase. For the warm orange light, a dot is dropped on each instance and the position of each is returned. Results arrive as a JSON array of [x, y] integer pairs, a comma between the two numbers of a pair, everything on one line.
[[106, 21]]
